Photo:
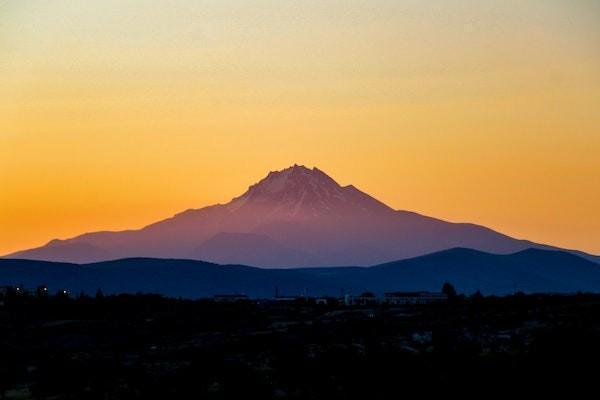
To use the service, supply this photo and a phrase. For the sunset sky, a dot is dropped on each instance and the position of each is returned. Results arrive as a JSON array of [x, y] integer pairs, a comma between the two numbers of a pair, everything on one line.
[[114, 114]]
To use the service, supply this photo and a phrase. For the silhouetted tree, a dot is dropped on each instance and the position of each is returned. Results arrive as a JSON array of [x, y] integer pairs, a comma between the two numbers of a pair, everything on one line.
[[477, 296], [449, 290]]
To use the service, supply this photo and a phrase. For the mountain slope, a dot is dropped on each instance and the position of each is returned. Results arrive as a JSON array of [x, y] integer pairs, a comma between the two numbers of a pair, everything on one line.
[[294, 217], [251, 249], [65, 251], [531, 270]]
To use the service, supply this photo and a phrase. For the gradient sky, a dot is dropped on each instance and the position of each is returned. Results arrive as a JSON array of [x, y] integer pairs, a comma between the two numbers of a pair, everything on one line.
[[114, 114]]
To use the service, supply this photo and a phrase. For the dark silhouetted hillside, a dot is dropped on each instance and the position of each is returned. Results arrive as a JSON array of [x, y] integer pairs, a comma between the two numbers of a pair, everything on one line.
[[468, 270]]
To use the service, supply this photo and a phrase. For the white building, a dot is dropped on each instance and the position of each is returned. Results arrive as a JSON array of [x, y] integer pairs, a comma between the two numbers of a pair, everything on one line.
[[400, 298]]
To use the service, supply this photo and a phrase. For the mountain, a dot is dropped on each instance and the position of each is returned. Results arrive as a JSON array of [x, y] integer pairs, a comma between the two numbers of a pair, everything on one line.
[[251, 249], [292, 218], [70, 251], [531, 270]]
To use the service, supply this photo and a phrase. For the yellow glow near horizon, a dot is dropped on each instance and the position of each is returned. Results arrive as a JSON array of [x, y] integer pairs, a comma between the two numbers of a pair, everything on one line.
[[114, 114]]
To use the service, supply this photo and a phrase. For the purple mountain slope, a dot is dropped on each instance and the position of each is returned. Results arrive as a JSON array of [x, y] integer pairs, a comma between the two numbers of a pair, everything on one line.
[[250, 249], [294, 217]]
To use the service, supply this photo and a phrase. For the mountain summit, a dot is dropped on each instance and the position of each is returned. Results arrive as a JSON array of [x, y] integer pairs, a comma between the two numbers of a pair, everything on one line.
[[300, 193], [293, 217]]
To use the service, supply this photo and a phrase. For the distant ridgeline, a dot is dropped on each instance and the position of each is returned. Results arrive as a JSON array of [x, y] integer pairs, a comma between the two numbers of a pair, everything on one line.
[[529, 271]]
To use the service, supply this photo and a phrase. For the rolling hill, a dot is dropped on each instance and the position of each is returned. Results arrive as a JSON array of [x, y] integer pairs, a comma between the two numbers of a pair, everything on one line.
[[531, 270]]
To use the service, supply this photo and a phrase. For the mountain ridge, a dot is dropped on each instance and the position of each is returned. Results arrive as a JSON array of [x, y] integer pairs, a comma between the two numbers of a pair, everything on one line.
[[299, 209], [468, 270]]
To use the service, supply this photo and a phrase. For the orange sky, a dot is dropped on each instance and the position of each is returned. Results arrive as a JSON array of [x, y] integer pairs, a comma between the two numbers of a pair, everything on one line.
[[115, 114]]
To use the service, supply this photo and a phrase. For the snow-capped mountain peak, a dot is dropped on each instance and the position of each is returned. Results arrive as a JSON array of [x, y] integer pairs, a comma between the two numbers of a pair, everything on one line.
[[301, 192], [297, 177]]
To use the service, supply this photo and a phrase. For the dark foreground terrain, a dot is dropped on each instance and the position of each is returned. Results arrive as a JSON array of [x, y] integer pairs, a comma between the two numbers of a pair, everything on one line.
[[148, 347]]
